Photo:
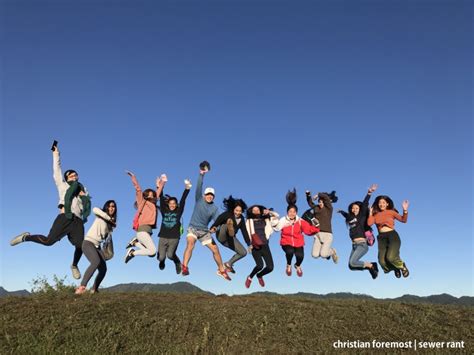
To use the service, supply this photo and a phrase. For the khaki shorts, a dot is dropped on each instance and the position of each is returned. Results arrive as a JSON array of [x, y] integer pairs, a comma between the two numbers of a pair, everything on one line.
[[203, 235]]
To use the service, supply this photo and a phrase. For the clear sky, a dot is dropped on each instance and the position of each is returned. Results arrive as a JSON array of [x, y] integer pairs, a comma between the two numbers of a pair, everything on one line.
[[320, 95]]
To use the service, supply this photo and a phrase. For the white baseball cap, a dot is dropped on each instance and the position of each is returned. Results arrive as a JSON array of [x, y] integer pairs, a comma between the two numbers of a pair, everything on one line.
[[209, 190]]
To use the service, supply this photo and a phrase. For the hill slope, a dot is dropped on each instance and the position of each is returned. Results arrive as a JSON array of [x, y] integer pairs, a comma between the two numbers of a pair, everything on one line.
[[190, 323]]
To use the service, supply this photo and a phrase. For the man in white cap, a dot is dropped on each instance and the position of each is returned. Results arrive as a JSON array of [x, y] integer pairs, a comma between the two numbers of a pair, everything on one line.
[[204, 212]]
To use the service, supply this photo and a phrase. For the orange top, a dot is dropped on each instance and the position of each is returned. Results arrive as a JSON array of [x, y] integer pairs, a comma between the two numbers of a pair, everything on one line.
[[386, 218]]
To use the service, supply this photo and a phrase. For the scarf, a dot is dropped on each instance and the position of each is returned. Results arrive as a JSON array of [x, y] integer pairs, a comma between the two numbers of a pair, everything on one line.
[[73, 191]]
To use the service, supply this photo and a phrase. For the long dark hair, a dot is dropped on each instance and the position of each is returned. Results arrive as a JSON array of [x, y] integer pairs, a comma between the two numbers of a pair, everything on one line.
[[291, 198], [250, 214], [389, 201], [106, 206], [230, 203]]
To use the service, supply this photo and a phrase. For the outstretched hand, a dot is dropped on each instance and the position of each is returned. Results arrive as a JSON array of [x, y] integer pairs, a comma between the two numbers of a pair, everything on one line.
[[129, 173], [372, 188], [371, 211], [187, 184], [405, 205]]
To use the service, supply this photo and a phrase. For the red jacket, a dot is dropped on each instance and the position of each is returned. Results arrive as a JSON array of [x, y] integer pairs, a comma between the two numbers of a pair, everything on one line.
[[292, 231]]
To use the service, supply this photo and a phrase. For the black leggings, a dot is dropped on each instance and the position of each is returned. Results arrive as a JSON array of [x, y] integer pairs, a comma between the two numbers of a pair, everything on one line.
[[62, 226], [290, 251], [261, 255]]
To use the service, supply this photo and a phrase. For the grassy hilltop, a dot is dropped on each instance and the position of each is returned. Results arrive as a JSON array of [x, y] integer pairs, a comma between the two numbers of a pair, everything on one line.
[[145, 322]]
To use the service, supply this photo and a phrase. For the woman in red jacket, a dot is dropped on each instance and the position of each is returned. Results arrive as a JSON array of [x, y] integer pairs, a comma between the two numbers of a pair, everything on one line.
[[292, 228]]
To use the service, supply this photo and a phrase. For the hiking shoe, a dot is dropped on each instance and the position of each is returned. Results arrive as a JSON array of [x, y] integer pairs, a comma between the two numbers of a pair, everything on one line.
[[162, 265], [19, 239], [75, 272], [405, 271], [80, 290], [288, 270], [229, 268], [299, 271], [260, 281], [132, 243], [248, 281], [398, 273], [185, 270], [178, 268], [224, 275], [129, 256], [230, 228], [374, 271], [335, 258]]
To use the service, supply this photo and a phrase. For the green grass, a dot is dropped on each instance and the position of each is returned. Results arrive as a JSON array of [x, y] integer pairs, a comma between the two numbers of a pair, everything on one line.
[[187, 323]]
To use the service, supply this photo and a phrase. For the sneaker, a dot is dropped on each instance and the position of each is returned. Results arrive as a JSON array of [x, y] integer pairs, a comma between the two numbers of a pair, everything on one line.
[[248, 281], [162, 265], [405, 271], [178, 268], [229, 268], [93, 291], [260, 281], [80, 290], [129, 256], [230, 228], [398, 273], [288, 270], [19, 239], [185, 270], [224, 275], [132, 243], [335, 258], [75, 272], [299, 271], [374, 271]]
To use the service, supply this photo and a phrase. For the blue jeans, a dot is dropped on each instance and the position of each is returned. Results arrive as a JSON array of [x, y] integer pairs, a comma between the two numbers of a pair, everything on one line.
[[358, 251]]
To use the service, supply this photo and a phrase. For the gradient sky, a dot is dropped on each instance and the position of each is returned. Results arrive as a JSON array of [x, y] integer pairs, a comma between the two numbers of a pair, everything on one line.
[[321, 95]]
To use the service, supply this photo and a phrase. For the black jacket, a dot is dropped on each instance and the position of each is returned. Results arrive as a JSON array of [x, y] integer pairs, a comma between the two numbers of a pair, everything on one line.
[[171, 222], [358, 224]]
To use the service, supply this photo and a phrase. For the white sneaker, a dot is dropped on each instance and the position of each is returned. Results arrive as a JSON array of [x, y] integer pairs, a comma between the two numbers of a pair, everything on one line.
[[335, 258], [75, 272], [19, 239]]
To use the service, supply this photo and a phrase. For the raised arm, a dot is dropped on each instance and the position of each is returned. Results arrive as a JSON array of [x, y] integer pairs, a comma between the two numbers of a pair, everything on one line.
[[160, 184], [136, 185], [309, 199], [182, 201], [365, 203], [57, 172], [199, 186], [403, 218]]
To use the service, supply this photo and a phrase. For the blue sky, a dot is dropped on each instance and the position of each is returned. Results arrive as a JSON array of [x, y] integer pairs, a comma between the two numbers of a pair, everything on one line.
[[314, 95]]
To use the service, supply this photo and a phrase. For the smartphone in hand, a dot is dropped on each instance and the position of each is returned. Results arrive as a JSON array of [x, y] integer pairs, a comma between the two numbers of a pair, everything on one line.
[[55, 144]]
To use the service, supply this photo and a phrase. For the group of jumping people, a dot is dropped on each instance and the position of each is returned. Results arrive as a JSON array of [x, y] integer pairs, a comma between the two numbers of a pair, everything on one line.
[[256, 223]]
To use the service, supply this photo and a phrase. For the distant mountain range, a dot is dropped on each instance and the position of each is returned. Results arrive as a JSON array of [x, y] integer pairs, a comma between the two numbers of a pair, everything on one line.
[[186, 287]]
